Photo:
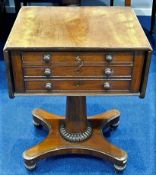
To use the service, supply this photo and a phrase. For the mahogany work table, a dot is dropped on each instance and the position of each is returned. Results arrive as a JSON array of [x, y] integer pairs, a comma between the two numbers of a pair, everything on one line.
[[77, 51]]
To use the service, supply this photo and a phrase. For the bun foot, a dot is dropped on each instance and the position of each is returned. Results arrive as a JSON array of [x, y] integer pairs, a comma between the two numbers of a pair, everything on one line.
[[114, 125], [30, 166], [111, 124], [36, 123], [119, 168]]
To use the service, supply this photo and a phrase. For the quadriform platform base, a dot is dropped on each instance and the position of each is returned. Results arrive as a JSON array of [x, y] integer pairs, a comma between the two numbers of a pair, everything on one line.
[[69, 141]]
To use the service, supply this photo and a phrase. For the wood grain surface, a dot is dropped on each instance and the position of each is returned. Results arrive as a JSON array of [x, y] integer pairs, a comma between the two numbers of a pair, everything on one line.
[[77, 27], [69, 58], [97, 145], [85, 71], [86, 85]]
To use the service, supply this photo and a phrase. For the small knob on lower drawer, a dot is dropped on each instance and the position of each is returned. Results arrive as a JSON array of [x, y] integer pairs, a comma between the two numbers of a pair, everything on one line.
[[108, 71], [47, 72], [48, 86], [107, 86]]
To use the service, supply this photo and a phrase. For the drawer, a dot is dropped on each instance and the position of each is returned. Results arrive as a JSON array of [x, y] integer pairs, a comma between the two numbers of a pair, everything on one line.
[[32, 77], [77, 85], [84, 71], [75, 58]]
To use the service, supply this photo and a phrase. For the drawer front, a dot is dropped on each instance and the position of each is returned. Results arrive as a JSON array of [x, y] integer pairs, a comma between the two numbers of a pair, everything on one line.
[[85, 71], [31, 72], [75, 58], [77, 85]]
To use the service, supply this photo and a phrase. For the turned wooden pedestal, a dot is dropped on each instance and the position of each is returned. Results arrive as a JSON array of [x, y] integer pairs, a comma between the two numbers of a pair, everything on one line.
[[76, 134]]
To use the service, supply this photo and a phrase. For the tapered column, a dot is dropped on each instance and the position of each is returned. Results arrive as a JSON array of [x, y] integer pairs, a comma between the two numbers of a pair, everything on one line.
[[75, 128], [76, 117]]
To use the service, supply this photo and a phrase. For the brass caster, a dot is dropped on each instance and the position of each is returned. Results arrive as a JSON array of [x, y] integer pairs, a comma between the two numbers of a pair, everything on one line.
[[36, 124], [30, 167], [119, 168], [114, 125]]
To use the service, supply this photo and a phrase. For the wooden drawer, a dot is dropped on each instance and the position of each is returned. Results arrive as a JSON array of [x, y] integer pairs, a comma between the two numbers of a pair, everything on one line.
[[31, 77], [84, 71], [74, 58], [77, 85]]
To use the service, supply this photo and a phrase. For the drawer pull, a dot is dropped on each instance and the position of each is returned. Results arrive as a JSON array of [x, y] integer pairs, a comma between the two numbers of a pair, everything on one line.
[[47, 58], [47, 72], [108, 71], [109, 58], [48, 86], [107, 86]]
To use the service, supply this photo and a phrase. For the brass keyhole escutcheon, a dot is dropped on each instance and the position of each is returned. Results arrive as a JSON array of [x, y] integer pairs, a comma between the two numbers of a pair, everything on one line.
[[78, 84], [79, 61]]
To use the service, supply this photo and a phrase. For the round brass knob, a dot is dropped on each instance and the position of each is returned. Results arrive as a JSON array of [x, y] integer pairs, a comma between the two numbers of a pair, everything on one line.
[[48, 86], [47, 72], [107, 86], [46, 57], [109, 58], [108, 71]]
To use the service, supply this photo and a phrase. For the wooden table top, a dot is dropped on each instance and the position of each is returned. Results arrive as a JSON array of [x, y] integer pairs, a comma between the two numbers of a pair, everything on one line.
[[77, 28]]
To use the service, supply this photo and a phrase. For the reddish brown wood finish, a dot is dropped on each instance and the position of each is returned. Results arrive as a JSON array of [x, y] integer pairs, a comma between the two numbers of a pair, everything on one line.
[[17, 72], [83, 75], [127, 2], [76, 120], [146, 67], [74, 71], [96, 145], [69, 58], [72, 40], [137, 71], [77, 85]]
